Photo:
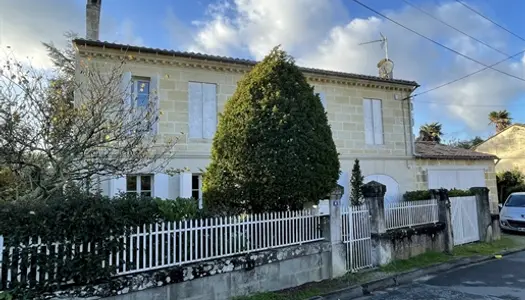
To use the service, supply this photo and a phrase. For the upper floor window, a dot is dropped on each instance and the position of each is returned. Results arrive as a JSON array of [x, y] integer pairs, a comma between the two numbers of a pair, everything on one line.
[[141, 91], [139, 184], [322, 95], [373, 118], [202, 102]]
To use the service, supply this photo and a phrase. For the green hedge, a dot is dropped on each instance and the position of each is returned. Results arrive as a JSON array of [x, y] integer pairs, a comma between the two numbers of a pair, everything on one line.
[[76, 218], [425, 194]]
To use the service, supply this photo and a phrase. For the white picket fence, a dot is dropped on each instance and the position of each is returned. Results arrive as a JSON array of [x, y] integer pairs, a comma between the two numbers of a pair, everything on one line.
[[168, 244], [356, 235], [411, 213]]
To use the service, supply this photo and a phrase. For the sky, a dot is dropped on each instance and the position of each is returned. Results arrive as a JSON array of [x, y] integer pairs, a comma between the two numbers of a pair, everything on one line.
[[323, 34]]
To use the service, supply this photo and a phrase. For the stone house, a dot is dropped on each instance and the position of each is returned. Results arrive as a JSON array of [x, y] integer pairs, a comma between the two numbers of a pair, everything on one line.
[[509, 146], [370, 117]]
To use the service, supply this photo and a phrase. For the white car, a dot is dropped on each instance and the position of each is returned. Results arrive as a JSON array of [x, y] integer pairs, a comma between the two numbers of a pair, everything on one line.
[[512, 214]]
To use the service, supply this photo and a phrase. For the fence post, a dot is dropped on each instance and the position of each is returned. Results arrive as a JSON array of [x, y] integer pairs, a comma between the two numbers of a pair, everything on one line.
[[488, 230], [374, 194], [332, 232], [445, 216]]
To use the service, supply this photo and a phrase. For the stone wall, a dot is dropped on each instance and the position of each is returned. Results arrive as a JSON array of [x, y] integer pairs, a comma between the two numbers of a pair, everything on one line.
[[220, 279], [405, 243]]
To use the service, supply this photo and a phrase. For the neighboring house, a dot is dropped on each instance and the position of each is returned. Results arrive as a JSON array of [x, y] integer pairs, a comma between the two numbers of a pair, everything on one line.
[[371, 117], [509, 146], [444, 166]]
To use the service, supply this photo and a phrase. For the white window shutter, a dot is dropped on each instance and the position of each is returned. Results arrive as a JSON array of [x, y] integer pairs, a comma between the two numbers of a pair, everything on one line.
[[322, 95], [209, 110], [118, 186], [195, 109], [126, 87], [155, 96], [377, 115], [161, 185], [369, 126], [185, 185]]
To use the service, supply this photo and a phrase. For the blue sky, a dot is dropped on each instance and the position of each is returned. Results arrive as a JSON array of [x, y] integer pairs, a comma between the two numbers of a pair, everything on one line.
[[323, 34]]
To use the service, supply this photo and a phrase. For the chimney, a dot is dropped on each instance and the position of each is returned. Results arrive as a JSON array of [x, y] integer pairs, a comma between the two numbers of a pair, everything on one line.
[[93, 19]]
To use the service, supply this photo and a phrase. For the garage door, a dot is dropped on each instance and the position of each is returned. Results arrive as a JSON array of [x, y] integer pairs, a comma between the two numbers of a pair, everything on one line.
[[456, 178]]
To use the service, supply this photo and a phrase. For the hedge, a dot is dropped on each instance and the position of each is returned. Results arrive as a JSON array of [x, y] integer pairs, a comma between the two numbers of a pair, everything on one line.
[[425, 194], [75, 218]]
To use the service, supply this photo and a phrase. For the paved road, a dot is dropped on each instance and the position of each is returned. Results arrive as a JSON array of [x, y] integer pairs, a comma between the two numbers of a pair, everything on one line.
[[502, 279]]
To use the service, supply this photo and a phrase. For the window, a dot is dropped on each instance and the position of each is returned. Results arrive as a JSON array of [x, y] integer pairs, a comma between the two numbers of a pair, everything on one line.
[[516, 201], [141, 90], [141, 97], [196, 186], [139, 184], [373, 118], [322, 95], [202, 110]]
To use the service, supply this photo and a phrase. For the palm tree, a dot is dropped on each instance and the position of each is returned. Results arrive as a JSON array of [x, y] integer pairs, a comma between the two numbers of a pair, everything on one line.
[[430, 132], [501, 119]]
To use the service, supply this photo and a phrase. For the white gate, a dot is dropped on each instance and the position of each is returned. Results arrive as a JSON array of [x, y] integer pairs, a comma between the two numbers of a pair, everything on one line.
[[464, 219], [356, 235]]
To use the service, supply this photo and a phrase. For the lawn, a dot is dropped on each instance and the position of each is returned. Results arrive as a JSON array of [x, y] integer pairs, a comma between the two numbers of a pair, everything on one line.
[[427, 259]]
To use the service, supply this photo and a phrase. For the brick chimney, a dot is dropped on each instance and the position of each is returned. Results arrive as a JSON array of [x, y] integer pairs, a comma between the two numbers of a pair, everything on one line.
[[93, 19]]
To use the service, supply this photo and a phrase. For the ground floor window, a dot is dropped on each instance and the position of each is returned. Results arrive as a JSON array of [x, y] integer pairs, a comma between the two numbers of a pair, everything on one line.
[[139, 184], [196, 186]]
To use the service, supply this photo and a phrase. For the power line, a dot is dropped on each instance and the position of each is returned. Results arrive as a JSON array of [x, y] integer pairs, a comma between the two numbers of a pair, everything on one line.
[[452, 27], [470, 74], [435, 42], [460, 105], [488, 19]]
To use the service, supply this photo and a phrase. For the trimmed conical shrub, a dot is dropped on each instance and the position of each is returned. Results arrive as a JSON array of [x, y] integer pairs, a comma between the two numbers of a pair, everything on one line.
[[273, 149]]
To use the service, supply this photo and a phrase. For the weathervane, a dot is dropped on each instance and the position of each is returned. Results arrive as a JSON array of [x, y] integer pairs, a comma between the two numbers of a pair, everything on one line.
[[385, 66]]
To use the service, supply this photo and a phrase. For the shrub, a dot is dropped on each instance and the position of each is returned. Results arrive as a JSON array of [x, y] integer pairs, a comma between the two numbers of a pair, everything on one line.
[[75, 218], [514, 189], [506, 181], [425, 194], [417, 195], [459, 193], [273, 149], [356, 182]]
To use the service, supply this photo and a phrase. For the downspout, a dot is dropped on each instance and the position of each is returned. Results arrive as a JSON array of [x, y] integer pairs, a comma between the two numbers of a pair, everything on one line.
[[412, 140]]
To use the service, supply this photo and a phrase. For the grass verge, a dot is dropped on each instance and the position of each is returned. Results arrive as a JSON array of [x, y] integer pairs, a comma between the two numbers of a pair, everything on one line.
[[424, 260], [432, 258]]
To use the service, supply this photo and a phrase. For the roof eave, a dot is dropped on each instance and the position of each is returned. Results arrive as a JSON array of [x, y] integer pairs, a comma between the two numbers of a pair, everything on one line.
[[246, 62]]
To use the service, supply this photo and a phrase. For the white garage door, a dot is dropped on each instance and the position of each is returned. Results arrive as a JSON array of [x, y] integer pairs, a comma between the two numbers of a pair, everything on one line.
[[456, 178], [392, 187]]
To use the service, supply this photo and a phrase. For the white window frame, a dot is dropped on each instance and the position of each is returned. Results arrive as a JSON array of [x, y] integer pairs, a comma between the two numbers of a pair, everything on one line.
[[199, 185], [201, 133], [138, 189], [378, 136]]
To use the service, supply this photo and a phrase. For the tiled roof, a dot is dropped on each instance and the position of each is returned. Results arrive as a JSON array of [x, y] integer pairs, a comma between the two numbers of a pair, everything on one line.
[[440, 151], [225, 59]]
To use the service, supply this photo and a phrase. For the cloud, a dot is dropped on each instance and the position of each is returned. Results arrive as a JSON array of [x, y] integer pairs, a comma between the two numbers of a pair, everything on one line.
[[319, 35], [25, 24]]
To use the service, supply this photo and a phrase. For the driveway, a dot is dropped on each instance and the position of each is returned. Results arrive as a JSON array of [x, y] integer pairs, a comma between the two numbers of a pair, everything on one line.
[[497, 279]]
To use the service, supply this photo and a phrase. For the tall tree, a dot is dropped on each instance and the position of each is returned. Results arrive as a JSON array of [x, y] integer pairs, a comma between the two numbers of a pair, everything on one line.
[[356, 183], [501, 119], [53, 145], [273, 149], [430, 132]]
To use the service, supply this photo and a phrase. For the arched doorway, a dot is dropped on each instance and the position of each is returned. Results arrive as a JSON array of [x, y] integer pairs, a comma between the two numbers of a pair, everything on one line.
[[392, 187]]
